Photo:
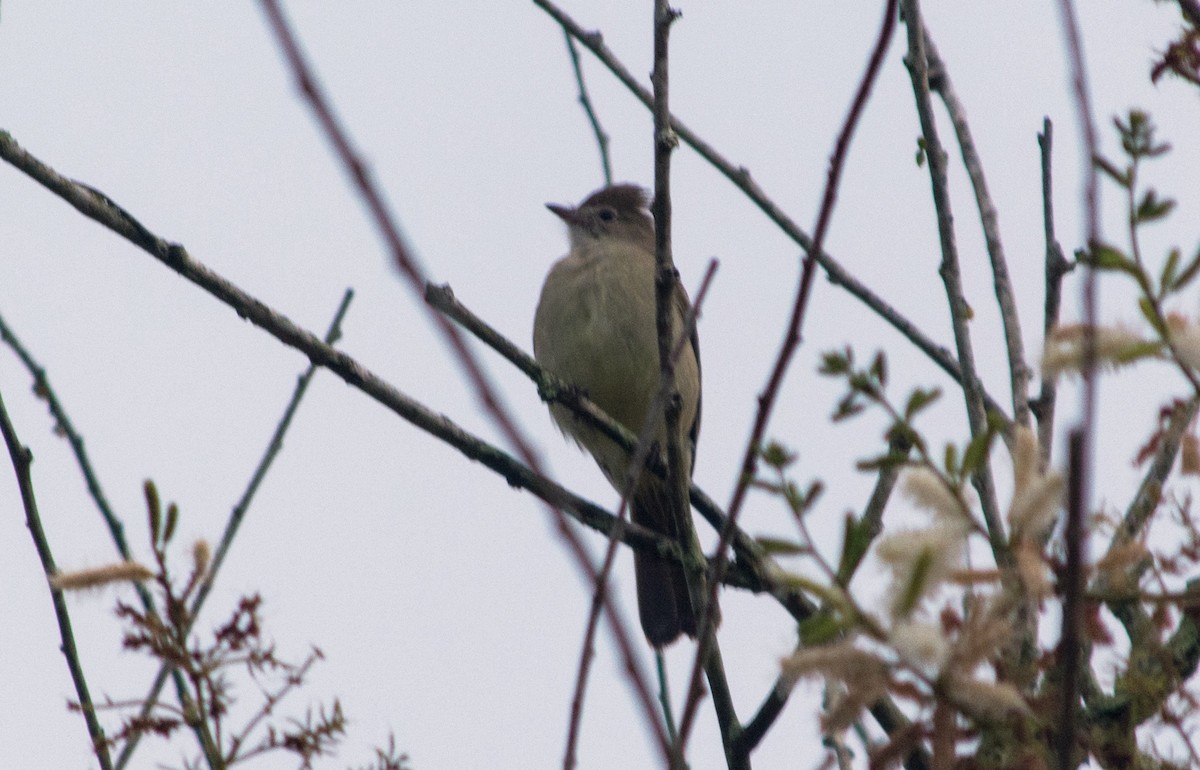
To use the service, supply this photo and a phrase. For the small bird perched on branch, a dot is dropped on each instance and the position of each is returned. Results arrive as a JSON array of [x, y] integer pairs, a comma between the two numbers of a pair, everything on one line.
[[595, 328]]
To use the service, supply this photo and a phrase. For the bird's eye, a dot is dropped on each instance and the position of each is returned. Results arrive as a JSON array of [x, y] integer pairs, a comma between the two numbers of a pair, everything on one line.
[[607, 215]]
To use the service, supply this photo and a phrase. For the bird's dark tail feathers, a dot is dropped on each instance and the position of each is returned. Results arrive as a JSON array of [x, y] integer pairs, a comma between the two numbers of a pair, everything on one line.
[[664, 604]]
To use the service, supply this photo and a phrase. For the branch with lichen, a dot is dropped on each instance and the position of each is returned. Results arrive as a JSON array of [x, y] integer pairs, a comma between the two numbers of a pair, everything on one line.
[[1018, 367], [917, 62]]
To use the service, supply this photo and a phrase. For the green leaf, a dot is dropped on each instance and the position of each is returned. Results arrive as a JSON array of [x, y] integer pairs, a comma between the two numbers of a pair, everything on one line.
[[977, 451], [1105, 257], [1150, 313], [919, 399], [879, 368], [879, 462], [1166, 279], [864, 383], [915, 589], [821, 628], [847, 407], [1151, 208], [1155, 150], [813, 493], [950, 461], [172, 520], [856, 538], [795, 499], [835, 362], [154, 509], [904, 433], [776, 546], [777, 455], [1189, 272]]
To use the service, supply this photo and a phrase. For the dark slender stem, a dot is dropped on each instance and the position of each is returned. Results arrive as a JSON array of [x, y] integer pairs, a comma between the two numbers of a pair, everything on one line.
[[1080, 449], [666, 286], [1069, 658], [1056, 267], [792, 336], [22, 458], [639, 455], [1191, 11], [585, 101]]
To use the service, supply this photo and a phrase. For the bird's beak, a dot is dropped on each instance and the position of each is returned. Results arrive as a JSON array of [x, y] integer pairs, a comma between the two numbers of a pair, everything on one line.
[[567, 214]]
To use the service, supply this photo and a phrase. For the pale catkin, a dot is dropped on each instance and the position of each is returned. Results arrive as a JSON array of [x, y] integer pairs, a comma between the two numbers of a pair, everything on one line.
[[95, 577], [201, 557]]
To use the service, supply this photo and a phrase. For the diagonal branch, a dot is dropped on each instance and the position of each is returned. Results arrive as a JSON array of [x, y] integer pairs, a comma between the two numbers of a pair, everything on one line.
[[238, 513], [740, 177], [22, 458], [1018, 367], [585, 101], [99, 207], [918, 67]]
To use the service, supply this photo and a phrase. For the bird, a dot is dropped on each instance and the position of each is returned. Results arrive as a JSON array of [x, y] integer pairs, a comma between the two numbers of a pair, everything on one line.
[[595, 328]]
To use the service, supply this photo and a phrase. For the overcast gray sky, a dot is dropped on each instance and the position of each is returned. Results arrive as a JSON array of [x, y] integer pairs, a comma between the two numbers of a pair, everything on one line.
[[443, 601]]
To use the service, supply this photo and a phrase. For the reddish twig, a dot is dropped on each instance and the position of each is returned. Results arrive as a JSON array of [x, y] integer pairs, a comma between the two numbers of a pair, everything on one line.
[[636, 463], [792, 337], [1080, 440], [410, 268]]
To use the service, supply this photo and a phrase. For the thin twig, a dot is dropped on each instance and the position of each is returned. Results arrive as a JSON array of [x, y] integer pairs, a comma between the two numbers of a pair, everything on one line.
[[1149, 493], [116, 528], [792, 335], [585, 101], [1080, 466], [703, 601], [42, 387], [114, 524], [1056, 267], [976, 407], [871, 522], [637, 461], [1018, 367], [22, 458], [740, 177], [332, 335]]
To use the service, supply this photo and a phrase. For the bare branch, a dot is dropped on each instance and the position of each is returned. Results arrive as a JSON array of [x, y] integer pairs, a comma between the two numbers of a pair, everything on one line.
[[22, 458], [740, 177], [1056, 267], [918, 61], [1018, 367], [585, 101], [99, 207]]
